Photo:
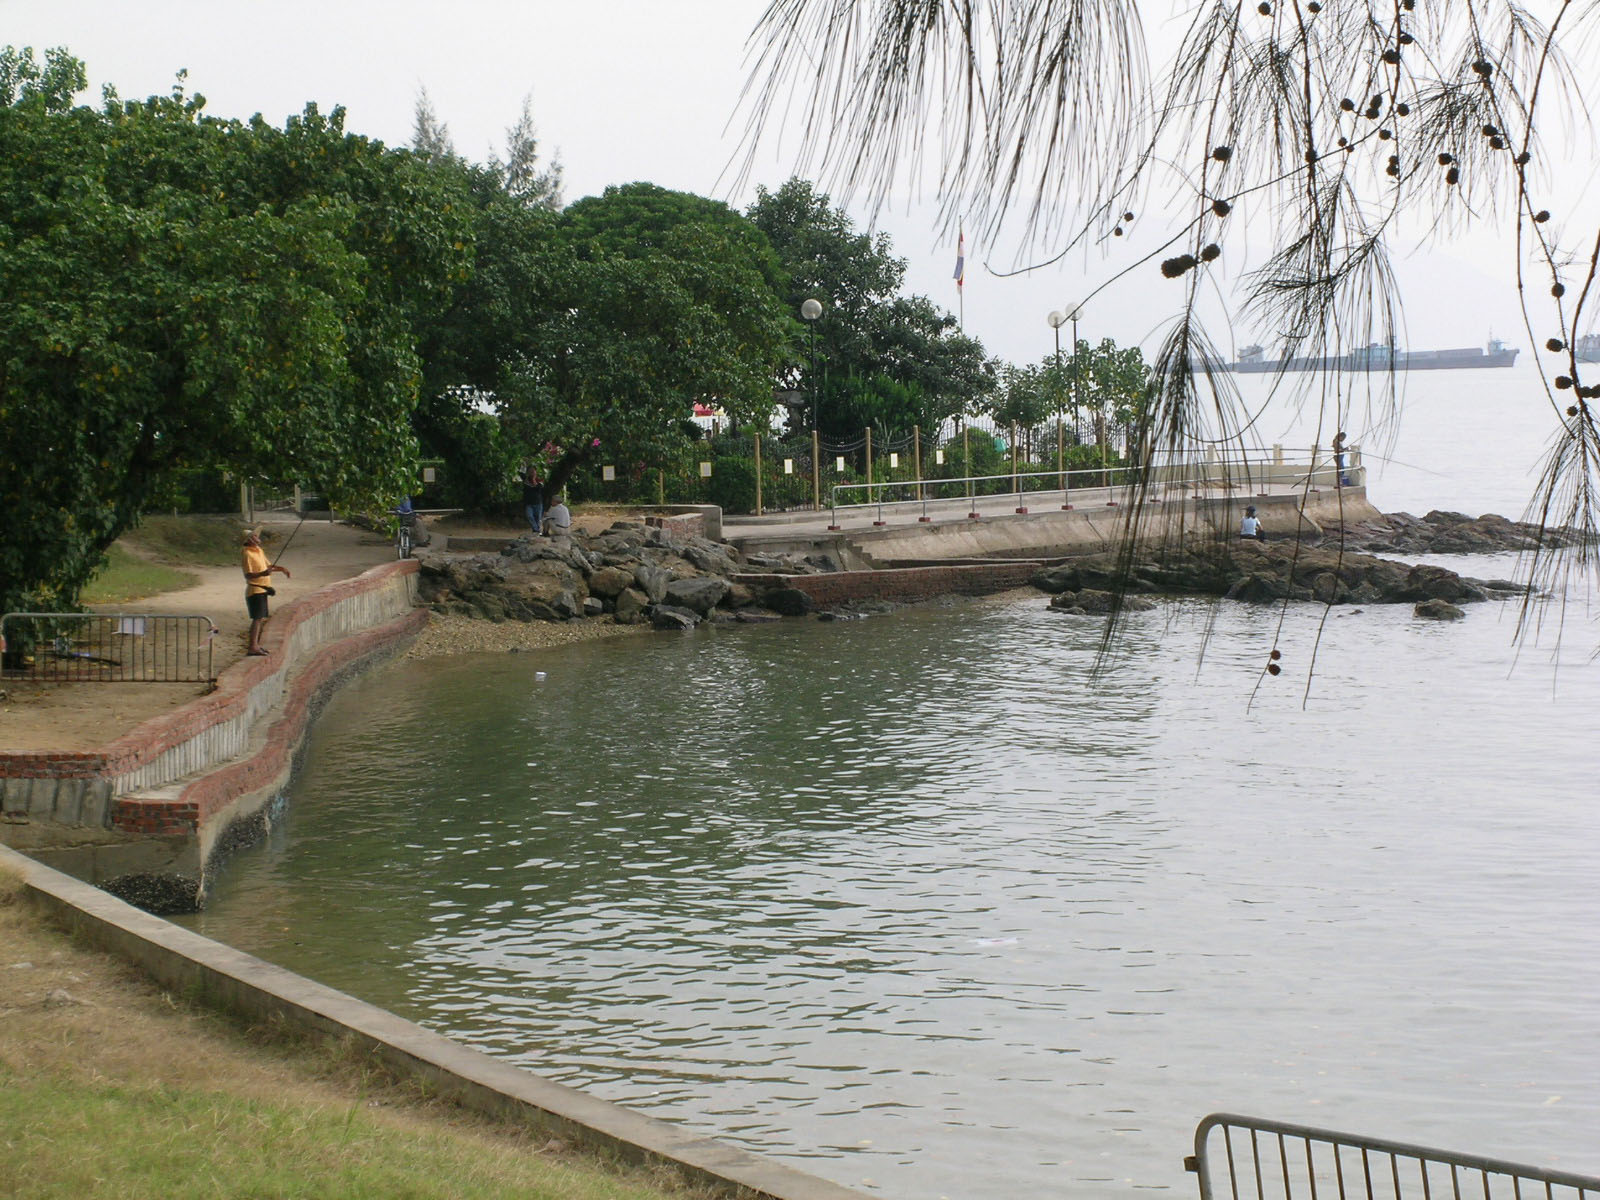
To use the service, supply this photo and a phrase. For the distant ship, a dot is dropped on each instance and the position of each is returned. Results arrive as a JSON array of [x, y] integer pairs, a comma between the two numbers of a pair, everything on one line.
[[1378, 357], [1587, 348]]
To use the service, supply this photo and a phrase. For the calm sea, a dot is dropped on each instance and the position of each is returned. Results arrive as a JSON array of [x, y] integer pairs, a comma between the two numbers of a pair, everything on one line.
[[922, 905]]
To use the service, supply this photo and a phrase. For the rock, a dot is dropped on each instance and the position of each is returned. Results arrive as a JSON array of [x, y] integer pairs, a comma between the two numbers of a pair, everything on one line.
[[631, 605], [1090, 601], [751, 616], [1438, 610], [664, 616], [700, 595], [61, 998], [790, 602], [653, 581], [1056, 580], [609, 582], [593, 606]]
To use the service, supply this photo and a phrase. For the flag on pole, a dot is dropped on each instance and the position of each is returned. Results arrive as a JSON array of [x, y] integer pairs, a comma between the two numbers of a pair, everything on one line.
[[961, 260]]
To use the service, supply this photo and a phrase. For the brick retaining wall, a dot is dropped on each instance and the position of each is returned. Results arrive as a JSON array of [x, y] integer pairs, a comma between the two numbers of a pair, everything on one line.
[[78, 787]]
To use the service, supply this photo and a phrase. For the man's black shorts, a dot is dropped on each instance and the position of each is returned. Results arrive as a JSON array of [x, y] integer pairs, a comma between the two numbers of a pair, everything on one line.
[[256, 603]]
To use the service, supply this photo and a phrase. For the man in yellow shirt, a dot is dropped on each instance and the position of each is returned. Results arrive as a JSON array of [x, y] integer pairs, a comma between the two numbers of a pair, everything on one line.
[[257, 572]]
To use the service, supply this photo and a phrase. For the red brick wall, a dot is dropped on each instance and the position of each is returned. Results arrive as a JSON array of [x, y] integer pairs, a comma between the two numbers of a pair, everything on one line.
[[682, 525], [160, 734]]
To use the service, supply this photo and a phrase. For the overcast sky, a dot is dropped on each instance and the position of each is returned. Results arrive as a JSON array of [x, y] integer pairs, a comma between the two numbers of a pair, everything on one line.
[[627, 90]]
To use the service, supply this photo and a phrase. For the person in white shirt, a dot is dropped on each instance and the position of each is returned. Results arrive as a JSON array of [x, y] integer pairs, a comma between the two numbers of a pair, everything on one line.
[[1250, 527], [557, 520]]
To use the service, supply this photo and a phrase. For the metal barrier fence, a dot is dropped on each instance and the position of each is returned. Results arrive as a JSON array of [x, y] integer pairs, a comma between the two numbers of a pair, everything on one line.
[[1165, 479], [1275, 1160], [107, 648]]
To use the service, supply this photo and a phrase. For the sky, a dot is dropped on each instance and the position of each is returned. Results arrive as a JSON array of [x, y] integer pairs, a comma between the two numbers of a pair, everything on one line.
[[626, 90]]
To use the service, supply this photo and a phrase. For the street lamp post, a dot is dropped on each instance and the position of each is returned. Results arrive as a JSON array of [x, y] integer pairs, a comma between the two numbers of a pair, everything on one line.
[[810, 311], [1073, 312], [1057, 319]]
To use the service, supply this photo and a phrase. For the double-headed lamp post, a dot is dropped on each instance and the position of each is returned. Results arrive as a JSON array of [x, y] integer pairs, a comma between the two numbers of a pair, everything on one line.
[[1057, 319], [1072, 313], [810, 310]]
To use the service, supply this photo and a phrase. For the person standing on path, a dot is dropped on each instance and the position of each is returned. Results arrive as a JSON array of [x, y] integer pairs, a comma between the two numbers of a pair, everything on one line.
[[1338, 458], [257, 573], [533, 500]]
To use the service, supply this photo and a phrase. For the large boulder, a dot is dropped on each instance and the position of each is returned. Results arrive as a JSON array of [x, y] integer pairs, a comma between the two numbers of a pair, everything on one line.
[[699, 595], [652, 580], [664, 616], [631, 606], [788, 602], [609, 582]]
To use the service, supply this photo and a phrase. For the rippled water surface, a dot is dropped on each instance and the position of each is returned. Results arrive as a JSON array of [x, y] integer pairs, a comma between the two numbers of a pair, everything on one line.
[[919, 905]]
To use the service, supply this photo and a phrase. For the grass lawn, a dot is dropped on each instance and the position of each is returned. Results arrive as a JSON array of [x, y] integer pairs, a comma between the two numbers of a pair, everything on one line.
[[149, 560], [110, 1087]]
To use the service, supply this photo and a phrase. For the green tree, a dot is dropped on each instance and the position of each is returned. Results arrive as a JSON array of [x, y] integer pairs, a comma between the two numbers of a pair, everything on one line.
[[650, 301], [184, 292], [867, 330]]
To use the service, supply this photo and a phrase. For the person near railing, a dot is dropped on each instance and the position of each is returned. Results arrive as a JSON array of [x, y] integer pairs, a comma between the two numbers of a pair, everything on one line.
[[257, 574]]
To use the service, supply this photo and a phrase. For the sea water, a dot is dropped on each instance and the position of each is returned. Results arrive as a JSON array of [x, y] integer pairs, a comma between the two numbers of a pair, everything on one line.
[[944, 903]]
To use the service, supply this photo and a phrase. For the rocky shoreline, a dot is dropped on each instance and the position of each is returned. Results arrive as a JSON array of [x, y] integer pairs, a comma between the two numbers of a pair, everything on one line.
[[538, 592]]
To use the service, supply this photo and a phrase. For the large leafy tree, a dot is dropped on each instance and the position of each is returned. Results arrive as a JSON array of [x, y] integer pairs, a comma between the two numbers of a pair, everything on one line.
[[869, 336], [650, 301], [184, 292]]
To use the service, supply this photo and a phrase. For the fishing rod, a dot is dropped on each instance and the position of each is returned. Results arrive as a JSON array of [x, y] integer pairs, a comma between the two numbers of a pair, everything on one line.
[[287, 540], [1397, 463]]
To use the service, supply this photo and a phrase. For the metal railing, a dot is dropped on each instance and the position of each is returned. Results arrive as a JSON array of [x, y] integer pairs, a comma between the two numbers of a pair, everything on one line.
[[1275, 1160], [107, 648], [1223, 472]]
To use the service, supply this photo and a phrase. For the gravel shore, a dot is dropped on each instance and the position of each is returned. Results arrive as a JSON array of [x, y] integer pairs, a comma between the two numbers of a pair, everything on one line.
[[467, 635]]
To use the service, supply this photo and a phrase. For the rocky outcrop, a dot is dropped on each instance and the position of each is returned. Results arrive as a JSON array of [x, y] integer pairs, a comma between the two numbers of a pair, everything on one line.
[[1257, 571], [1448, 533], [631, 574]]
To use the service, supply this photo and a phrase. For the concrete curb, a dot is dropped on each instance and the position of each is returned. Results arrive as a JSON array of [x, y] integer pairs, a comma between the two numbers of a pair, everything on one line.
[[221, 977]]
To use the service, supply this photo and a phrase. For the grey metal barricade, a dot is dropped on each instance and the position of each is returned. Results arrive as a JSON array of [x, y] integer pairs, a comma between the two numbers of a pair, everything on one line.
[[1239, 1157], [107, 647]]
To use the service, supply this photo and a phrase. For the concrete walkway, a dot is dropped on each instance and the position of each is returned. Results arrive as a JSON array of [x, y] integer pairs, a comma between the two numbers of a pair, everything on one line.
[[1037, 523]]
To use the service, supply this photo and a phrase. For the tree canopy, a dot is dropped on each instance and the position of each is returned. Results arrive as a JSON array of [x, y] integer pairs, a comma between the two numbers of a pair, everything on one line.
[[184, 291], [881, 357]]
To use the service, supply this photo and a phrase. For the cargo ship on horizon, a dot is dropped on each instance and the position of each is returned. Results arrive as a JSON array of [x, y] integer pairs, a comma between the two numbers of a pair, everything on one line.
[[1376, 356]]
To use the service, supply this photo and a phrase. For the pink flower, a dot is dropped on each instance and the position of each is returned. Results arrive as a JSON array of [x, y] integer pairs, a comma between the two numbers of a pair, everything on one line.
[[594, 443]]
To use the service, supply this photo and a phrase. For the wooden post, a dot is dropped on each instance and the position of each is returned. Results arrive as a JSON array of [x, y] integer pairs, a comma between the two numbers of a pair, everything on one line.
[[758, 474], [661, 486]]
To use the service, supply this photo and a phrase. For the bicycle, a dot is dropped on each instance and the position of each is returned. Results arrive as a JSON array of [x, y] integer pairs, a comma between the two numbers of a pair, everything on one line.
[[403, 534]]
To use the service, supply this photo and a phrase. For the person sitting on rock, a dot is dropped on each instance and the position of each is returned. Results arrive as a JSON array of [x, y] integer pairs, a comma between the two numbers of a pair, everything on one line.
[[1250, 527], [557, 519]]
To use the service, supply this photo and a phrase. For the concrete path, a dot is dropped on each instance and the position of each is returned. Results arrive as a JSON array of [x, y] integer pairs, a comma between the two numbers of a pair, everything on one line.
[[827, 525]]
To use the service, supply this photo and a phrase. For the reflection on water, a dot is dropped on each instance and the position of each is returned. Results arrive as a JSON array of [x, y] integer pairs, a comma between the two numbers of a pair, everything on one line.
[[914, 903]]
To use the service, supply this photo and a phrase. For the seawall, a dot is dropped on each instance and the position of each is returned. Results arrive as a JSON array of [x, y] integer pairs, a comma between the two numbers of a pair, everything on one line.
[[221, 977], [170, 798]]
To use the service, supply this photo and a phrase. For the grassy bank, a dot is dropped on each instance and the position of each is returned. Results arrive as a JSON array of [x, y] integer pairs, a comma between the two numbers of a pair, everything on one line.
[[111, 1087], [150, 559]]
